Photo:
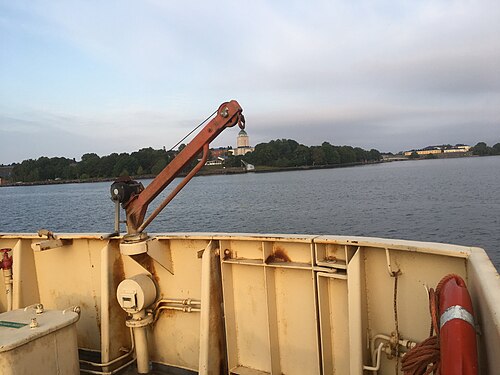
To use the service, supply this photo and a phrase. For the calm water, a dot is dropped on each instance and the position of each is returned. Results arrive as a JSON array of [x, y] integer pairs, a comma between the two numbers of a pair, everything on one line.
[[455, 201]]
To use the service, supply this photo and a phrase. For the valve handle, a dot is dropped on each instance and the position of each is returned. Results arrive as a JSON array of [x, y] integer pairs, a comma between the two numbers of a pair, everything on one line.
[[6, 261]]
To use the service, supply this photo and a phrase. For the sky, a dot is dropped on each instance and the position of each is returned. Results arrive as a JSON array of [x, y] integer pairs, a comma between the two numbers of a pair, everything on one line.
[[117, 76]]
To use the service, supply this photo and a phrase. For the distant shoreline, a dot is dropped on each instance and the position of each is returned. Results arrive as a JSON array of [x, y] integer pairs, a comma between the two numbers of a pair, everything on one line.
[[206, 172], [231, 170]]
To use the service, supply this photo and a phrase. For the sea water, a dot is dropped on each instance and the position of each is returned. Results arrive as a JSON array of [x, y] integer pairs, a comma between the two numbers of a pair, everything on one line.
[[445, 200]]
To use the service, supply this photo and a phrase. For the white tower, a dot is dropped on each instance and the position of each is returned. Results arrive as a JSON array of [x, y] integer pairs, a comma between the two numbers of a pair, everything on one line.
[[242, 144], [243, 140]]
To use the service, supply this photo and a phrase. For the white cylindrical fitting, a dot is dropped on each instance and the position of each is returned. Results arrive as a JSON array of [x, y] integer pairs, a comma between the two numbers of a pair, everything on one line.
[[136, 293], [141, 346]]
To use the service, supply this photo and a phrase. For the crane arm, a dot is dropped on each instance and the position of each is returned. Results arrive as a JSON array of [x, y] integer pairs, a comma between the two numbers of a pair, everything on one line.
[[137, 201]]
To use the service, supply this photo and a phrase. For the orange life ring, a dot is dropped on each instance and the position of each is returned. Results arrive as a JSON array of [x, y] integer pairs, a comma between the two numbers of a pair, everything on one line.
[[457, 334]]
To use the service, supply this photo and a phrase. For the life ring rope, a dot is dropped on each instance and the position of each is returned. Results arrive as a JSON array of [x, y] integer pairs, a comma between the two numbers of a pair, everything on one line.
[[425, 358]]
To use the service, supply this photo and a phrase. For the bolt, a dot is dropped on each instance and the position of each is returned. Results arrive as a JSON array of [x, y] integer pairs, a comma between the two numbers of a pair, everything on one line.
[[33, 323], [225, 112]]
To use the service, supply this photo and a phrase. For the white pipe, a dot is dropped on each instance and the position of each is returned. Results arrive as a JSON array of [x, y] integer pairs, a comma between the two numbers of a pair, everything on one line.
[[141, 344], [17, 279], [7, 274], [372, 346], [131, 351], [403, 342], [180, 301], [108, 372], [184, 308], [377, 366], [105, 304], [408, 344]]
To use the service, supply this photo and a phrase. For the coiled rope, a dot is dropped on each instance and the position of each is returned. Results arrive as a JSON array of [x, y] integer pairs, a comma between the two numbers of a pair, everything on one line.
[[425, 358]]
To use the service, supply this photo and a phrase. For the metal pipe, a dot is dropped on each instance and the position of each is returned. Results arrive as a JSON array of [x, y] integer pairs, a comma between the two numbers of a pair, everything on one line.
[[117, 217], [7, 274], [187, 309], [179, 301], [108, 372], [408, 344], [141, 344], [105, 316], [131, 351], [377, 366], [178, 188], [179, 308]]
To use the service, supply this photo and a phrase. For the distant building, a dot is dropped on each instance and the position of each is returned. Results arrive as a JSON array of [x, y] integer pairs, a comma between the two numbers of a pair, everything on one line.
[[221, 151], [243, 144], [391, 157], [217, 161], [436, 150], [219, 155]]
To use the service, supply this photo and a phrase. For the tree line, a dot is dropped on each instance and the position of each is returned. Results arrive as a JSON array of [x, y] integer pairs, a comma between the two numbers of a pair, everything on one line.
[[146, 161], [149, 162], [284, 153], [482, 149], [279, 153]]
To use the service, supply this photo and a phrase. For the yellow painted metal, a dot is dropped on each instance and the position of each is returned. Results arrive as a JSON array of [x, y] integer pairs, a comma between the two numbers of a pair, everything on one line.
[[291, 304]]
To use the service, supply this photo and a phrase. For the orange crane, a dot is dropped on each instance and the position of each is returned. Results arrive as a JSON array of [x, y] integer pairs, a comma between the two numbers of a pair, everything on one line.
[[135, 199]]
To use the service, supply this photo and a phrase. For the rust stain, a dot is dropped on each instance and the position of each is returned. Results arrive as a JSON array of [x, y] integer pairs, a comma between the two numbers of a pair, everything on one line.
[[97, 316], [330, 259], [279, 255], [118, 272], [118, 332], [149, 264], [166, 313]]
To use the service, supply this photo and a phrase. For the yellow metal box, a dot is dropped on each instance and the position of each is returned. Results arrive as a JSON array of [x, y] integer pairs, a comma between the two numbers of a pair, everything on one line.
[[38, 343]]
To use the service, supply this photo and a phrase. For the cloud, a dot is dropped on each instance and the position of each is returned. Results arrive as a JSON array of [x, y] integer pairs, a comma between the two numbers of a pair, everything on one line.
[[145, 73]]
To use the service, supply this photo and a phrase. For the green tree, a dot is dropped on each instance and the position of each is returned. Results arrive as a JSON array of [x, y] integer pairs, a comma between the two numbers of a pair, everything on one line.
[[318, 155], [347, 154], [125, 165], [106, 165], [89, 165], [234, 161], [374, 155], [159, 165], [496, 148], [302, 156], [332, 156], [481, 149]]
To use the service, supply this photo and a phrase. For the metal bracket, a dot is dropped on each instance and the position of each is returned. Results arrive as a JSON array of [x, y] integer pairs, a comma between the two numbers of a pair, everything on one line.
[[52, 241], [389, 265]]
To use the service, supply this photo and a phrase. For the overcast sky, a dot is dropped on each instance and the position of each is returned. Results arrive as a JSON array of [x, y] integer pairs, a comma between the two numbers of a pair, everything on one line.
[[117, 76]]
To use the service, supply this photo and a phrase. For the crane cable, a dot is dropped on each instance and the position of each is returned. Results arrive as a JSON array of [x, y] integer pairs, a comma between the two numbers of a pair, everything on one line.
[[192, 131]]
